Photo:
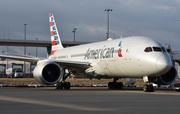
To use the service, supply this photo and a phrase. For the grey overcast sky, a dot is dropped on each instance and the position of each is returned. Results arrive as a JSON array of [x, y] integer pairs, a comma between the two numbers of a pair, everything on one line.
[[158, 19]]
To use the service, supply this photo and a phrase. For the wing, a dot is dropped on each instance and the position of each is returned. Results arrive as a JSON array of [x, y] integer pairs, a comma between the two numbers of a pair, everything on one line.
[[22, 58], [72, 65]]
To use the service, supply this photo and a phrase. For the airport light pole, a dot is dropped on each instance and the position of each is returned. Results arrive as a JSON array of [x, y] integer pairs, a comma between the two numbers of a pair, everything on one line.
[[25, 48], [29, 67], [98, 37], [36, 48], [3, 65], [74, 30], [108, 21], [8, 46]]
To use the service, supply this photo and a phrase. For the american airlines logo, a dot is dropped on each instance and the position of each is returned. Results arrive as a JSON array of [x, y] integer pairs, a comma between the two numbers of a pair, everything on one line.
[[99, 53], [120, 50]]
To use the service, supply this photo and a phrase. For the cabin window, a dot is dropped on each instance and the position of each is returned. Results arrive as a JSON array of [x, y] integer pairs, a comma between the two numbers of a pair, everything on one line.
[[157, 49], [148, 49]]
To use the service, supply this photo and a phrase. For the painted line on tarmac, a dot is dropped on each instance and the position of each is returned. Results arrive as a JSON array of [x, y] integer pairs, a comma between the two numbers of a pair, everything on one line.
[[53, 104], [164, 93], [156, 92]]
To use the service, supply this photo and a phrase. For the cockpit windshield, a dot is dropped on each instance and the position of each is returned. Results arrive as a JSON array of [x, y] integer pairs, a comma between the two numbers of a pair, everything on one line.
[[155, 49], [148, 49]]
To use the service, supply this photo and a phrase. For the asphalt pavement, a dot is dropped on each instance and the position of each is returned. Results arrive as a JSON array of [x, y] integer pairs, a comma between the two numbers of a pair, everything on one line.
[[87, 100]]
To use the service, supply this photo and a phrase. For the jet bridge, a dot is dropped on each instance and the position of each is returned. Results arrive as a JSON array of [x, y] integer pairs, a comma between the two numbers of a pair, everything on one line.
[[175, 57]]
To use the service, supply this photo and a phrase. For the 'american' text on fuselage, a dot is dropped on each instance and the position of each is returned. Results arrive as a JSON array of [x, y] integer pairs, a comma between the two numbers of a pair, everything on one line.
[[99, 53]]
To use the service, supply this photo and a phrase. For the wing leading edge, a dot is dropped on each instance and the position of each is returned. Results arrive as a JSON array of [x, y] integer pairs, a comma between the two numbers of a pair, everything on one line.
[[22, 58]]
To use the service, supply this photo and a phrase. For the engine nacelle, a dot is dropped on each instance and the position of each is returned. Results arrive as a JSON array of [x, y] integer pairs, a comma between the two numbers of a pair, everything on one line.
[[47, 72], [167, 78]]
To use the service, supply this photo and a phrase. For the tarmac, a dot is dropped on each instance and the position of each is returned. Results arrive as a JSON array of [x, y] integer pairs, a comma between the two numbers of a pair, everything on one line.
[[87, 100]]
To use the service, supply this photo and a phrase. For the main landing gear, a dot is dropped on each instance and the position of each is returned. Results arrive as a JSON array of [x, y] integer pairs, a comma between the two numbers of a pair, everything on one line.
[[62, 84], [147, 87], [115, 85]]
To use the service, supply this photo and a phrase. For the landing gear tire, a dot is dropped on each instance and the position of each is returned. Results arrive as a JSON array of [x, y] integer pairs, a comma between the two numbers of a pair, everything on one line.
[[148, 88], [145, 88], [115, 85], [63, 85], [59, 85], [66, 85]]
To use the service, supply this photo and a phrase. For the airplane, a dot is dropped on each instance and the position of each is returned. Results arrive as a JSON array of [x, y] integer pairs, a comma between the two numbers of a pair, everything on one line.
[[130, 57]]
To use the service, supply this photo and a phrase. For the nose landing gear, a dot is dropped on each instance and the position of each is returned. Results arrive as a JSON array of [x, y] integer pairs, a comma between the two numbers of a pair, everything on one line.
[[147, 87]]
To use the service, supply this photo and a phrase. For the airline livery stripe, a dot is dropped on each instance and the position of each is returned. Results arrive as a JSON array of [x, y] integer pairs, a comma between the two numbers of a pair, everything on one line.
[[120, 43], [119, 53], [53, 52], [52, 33], [50, 24], [53, 43], [55, 39]]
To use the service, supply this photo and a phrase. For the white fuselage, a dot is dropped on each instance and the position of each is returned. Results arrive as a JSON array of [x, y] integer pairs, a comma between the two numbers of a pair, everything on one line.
[[124, 57]]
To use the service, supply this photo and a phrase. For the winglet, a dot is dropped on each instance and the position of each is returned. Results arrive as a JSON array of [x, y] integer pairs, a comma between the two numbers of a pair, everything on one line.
[[55, 39]]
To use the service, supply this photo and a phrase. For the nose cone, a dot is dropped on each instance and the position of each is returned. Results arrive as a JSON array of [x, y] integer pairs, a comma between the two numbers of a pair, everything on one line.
[[163, 64]]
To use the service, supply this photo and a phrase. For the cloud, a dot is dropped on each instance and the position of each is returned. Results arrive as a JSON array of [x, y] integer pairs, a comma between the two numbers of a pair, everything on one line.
[[158, 19], [165, 7]]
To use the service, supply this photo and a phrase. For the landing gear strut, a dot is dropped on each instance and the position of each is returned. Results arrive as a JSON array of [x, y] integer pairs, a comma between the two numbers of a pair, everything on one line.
[[115, 85], [62, 84], [147, 87]]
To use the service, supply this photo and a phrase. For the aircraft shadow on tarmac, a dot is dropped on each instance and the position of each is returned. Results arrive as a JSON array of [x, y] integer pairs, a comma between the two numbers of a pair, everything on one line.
[[124, 89]]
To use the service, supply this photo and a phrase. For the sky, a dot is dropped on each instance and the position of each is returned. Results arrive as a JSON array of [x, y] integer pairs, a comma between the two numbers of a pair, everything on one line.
[[158, 19]]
